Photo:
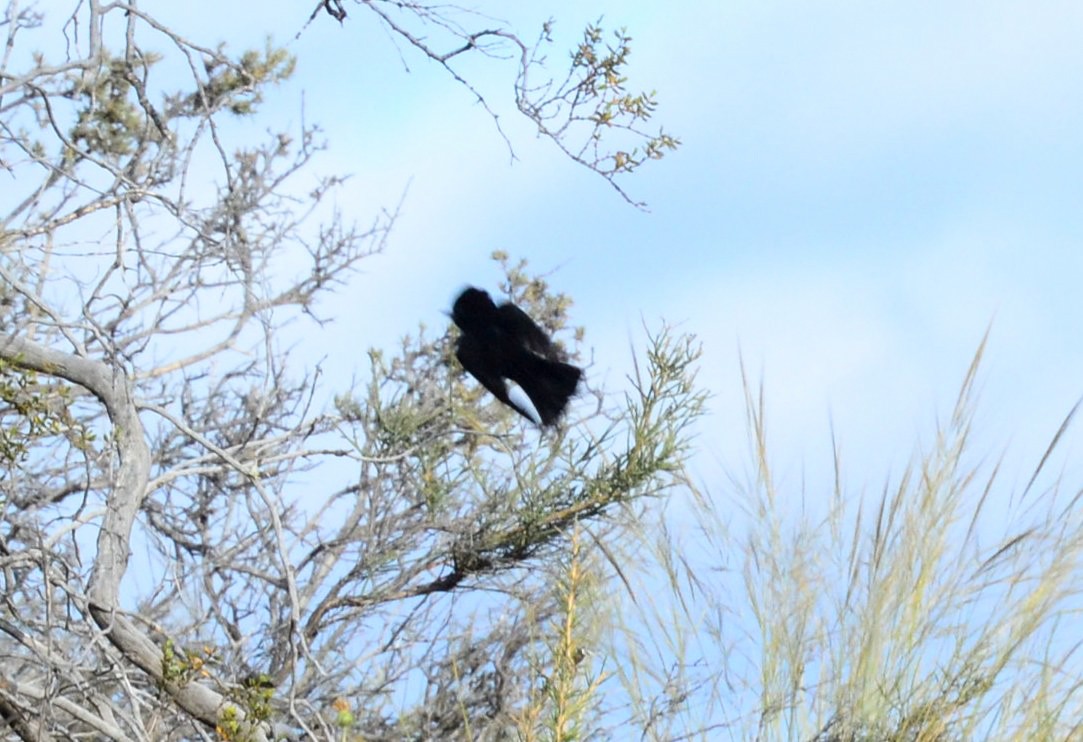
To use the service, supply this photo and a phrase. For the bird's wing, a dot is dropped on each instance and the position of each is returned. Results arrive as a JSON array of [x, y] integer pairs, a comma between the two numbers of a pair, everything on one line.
[[478, 364], [524, 330]]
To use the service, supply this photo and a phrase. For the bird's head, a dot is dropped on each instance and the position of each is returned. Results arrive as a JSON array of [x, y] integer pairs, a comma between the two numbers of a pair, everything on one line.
[[472, 306]]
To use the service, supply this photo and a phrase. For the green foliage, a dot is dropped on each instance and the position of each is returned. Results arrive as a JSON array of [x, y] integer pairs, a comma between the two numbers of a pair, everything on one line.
[[111, 121], [571, 688], [599, 66], [117, 119], [32, 410], [591, 114], [239, 86], [486, 497], [181, 667], [344, 716], [564, 701], [231, 726], [250, 701], [255, 695]]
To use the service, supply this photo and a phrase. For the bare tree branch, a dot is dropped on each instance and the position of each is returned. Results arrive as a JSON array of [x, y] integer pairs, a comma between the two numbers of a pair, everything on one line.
[[200, 535]]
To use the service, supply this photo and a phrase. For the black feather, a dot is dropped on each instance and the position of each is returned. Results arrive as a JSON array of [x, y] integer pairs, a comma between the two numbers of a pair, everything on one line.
[[502, 342]]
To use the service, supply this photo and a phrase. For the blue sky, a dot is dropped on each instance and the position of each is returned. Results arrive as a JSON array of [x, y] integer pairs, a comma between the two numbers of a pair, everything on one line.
[[862, 190]]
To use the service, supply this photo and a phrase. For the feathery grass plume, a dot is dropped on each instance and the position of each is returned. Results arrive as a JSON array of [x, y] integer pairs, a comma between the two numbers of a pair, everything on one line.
[[944, 609]]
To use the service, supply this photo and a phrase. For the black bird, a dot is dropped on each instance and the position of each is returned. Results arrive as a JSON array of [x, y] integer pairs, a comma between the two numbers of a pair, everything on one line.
[[501, 342]]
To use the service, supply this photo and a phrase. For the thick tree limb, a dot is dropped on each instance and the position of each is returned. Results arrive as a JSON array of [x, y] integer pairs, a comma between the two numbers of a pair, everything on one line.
[[110, 385]]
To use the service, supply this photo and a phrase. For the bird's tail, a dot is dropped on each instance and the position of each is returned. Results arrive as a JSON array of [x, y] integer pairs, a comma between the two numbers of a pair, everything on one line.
[[550, 384]]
